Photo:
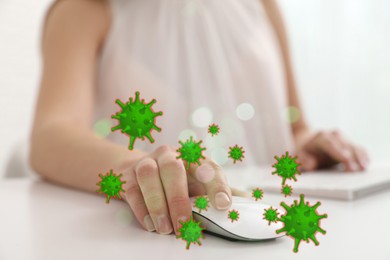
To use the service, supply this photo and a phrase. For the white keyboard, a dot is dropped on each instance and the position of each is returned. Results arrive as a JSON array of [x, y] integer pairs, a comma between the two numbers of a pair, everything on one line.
[[329, 184]]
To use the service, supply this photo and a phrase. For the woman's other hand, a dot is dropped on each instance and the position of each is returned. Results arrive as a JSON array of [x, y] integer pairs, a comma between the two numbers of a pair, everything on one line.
[[328, 148]]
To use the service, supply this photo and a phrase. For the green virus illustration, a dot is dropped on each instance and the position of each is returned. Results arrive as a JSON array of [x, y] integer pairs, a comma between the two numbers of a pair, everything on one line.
[[136, 119], [191, 152], [257, 194], [190, 231], [233, 215], [286, 190], [110, 185], [213, 129], [271, 215], [202, 203], [286, 167], [236, 153], [301, 222]]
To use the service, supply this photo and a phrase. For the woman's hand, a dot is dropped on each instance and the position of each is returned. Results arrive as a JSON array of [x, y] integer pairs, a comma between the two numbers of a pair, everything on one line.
[[327, 148], [158, 188]]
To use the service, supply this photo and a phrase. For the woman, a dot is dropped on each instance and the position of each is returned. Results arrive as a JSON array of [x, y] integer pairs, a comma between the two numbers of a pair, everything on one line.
[[200, 60]]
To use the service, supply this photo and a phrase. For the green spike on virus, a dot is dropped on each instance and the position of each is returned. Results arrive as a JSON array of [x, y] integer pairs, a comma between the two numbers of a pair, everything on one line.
[[110, 185], [191, 152], [202, 203], [271, 215], [136, 119], [257, 194], [213, 129], [301, 222], [233, 215], [286, 190], [286, 167], [236, 153], [190, 231]]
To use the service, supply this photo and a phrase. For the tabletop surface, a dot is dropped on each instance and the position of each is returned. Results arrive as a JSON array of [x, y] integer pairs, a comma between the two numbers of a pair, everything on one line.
[[39, 220]]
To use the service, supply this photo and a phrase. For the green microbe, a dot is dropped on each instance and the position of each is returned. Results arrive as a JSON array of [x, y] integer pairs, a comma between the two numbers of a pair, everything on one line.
[[110, 185], [271, 215], [191, 232], [202, 203], [286, 167], [137, 119], [301, 222], [236, 153], [213, 129], [233, 215], [286, 190], [191, 152], [257, 194]]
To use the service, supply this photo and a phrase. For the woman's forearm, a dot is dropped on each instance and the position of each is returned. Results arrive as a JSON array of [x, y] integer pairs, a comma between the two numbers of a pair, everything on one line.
[[74, 156], [299, 128]]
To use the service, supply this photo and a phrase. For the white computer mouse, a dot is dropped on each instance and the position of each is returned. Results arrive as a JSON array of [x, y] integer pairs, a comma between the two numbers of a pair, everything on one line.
[[250, 225]]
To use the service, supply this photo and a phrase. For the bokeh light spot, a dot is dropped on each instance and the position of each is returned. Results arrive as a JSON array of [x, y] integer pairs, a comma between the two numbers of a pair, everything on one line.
[[202, 117], [220, 155], [189, 8], [102, 128], [292, 114], [245, 111], [205, 173]]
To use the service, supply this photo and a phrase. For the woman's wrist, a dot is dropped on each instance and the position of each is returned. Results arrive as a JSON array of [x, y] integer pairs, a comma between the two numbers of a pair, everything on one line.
[[128, 158], [302, 136]]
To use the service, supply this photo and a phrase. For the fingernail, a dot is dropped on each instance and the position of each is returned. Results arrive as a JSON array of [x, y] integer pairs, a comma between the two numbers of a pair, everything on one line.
[[182, 219], [149, 223], [164, 225], [222, 200]]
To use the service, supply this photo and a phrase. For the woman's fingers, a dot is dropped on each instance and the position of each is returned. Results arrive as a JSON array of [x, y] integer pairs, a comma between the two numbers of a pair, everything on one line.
[[210, 174], [361, 156], [356, 163], [174, 180], [308, 162], [135, 199], [195, 188], [148, 178], [158, 189], [333, 145]]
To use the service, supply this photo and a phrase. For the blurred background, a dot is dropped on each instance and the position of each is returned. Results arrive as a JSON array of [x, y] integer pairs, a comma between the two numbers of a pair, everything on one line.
[[340, 51]]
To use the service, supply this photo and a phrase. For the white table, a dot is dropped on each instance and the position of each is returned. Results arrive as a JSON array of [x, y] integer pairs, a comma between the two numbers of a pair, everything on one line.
[[43, 221]]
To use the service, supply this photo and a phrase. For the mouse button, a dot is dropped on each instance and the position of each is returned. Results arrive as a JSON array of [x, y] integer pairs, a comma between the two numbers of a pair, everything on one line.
[[250, 223]]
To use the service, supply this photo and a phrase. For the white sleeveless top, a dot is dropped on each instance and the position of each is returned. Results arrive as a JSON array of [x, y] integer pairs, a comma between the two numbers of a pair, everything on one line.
[[204, 61]]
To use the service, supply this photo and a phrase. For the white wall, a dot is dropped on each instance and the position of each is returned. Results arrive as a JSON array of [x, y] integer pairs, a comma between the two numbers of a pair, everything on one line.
[[341, 53], [20, 22]]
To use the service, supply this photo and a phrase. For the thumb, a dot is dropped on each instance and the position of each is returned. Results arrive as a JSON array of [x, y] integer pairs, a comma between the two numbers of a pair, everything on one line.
[[214, 181]]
